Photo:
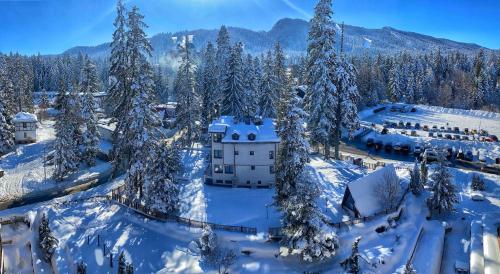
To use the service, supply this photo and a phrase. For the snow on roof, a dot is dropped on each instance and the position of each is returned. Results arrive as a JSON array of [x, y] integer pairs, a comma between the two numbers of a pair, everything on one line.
[[25, 117], [264, 133], [363, 190]]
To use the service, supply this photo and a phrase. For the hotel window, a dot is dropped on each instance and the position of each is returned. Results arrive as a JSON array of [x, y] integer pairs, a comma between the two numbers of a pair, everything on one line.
[[217, 137], [25, 125], [252, 167], [271, 169], [219, 181], [252, 152], [236, 153], [228, 182], [217, 154], [229, 169], [217, 168], [271, 154]]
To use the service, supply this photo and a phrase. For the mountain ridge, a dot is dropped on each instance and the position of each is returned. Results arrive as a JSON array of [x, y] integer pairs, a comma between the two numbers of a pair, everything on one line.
[[292, 34]]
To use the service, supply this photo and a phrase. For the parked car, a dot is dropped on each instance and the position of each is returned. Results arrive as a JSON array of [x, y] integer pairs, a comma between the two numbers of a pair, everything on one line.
[[483, 132], [414, 133], [431, 134], [408, 125], [404, 132], [460, 155], [477, 196], [401, 124], [448, 129], [466, 130], [413, 110], [394, 124], [387, 123], [369, 142], [456, 129], [488, 139], [456, 137], [494, 138], [434, 128], [378, 145], [417, 150], [388, 147], [441, 128], [449, 153], [464, 138], [426, 127], [440, 135], [397, 147], [481, 158], [469, 156], [493, 169], [474, 131], [405, 149], [384, 131], [430, 155], [447, 136]]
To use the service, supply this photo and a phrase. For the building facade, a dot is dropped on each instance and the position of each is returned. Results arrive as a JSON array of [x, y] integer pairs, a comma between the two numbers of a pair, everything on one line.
[[243, 154], [25, 124]]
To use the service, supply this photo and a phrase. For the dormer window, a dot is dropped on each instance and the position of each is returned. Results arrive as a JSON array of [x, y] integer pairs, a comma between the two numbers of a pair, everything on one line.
[[252, 136], [235, 136]]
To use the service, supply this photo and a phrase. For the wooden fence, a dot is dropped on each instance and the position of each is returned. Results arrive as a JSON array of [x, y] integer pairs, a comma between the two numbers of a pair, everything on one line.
[[117, 196]]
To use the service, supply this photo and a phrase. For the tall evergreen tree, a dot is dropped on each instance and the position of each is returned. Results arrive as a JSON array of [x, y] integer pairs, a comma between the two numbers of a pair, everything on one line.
[[416, 185], [89, 85], [251, 86], [222, 57], [188, 100], [443, 190], [321, 77], [281, 84], [6, 129], [233, 101], [48, 242], [208, 86], [119, 90], [268, 95]]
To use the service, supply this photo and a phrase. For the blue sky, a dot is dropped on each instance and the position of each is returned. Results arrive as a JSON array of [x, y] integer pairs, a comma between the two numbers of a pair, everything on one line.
[[52, 26]]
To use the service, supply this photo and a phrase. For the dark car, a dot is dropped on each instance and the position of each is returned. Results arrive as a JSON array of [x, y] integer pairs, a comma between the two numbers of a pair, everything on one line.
[[469, 156], [456, 129], [464, 138], [397, 147], [369, 142], [384, 131], [417, 150], [378, 145], [449, 153], [388, 147], [401, 124], [408, 125], [447, 136], [413, 110], [417, 126], [394, 124], [460, 155], [405, 149], [440, 135], [431, 134], [426, 127], [456, 137], [442, 128], [466, 130], [494, 138], [434, 128]]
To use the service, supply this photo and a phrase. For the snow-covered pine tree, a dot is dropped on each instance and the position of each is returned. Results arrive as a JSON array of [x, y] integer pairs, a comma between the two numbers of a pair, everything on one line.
[[162, 192], [6, 91], [321, 77], [250, 83], [268, 95], [6, 129], [66, 155], [351, 264], [208, 86], [347, 96], [161, 85], [81, 268], [305, 233], [443, 190], [129, 269], [416, 185], [222, 57], [233, 101], [293, 150], [89, 85], [481, 81], [477, 182], [122, 263], [424, 171], [188, 100], [207, 242], [394, 85], [62, 82], [258, 74], [48, 243], [409, 269], [281, 83], [119, 87]]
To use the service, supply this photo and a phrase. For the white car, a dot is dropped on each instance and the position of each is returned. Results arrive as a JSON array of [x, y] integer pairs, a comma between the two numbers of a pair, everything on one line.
[[477, 196], [430, 155]]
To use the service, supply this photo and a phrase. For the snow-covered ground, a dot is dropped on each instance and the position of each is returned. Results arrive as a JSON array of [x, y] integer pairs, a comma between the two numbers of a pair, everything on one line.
[[25, 174], [439, 116], [170, 247]]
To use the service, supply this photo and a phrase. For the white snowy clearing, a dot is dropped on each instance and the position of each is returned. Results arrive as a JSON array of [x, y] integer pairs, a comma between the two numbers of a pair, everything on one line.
[[154, 246], [25, 174]]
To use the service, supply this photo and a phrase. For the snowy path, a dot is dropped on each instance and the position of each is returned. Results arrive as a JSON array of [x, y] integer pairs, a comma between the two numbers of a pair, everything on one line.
[[17, 255]]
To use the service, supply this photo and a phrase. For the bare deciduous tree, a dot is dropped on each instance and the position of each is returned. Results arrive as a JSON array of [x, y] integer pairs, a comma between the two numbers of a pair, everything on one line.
[[388, 190]]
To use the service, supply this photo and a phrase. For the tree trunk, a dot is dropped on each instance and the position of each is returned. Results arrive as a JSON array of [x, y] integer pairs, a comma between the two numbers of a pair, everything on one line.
[[327, 151]]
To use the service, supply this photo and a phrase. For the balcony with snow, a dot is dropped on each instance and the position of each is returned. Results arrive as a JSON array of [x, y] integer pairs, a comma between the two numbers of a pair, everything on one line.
[[25, 124], [243, 153]]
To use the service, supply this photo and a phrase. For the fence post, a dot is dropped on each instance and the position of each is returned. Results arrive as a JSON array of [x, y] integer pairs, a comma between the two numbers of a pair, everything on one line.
[[111, 259]]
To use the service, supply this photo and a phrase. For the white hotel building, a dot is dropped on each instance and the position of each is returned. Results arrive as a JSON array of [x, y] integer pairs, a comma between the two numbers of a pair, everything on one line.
[[243, 154]]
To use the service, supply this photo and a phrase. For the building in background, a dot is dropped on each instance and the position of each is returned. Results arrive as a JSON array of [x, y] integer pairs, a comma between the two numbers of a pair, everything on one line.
[[25, 124]]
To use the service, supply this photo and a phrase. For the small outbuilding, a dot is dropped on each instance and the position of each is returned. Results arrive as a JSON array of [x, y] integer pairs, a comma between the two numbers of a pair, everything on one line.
[[25, 124], [360, 196]]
